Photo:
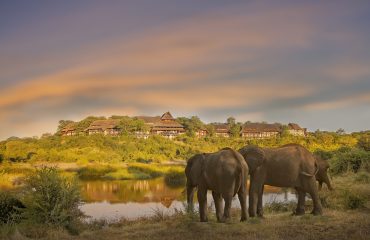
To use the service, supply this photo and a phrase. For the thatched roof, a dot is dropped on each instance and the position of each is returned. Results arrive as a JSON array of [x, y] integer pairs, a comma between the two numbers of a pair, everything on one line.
[[103, 124], [167, 116], [165, 122], [294, 126], [261, 127], [69, 127]]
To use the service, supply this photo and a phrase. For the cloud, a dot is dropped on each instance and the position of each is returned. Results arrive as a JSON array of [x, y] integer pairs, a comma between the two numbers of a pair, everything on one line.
[[243, 60]]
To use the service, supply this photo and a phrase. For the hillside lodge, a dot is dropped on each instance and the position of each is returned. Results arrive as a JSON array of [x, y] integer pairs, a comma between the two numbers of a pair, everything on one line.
[[167, 126]]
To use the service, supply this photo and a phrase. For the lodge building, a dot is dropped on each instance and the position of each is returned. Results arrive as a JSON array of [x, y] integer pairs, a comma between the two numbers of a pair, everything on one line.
[[260, 130], [106, 127], [165, 125], [296, 130], [69, 130], [221, 129]]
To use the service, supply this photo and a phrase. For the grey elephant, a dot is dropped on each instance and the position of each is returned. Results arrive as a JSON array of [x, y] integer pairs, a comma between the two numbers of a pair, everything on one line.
[[322, 174], [224, 173], [323, 166], [287, 166]]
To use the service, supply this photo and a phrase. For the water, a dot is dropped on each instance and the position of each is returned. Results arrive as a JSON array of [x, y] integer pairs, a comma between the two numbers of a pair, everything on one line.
[[132, 199]]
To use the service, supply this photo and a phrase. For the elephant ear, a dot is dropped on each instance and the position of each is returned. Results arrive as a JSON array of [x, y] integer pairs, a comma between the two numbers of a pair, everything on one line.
[[194, 169], [254, 156]]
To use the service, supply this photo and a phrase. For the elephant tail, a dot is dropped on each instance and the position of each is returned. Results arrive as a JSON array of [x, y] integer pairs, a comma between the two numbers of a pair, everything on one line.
[[238, 181]]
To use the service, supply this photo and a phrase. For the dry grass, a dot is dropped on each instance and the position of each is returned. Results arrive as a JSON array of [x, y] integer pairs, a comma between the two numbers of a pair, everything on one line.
[[333, 225]]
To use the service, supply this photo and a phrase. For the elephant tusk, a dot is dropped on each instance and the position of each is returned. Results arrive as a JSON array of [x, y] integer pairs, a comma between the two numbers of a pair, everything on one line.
[[307, 174]]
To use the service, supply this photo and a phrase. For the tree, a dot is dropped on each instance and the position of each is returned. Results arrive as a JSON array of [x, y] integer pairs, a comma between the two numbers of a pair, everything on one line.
[[340, 131], [210, 129], [230, 121], [85, 123], [285, 131], [62, 124], [191, 125]]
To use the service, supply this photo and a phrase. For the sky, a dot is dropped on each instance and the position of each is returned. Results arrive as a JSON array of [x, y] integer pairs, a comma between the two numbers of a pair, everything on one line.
[[306, 62]]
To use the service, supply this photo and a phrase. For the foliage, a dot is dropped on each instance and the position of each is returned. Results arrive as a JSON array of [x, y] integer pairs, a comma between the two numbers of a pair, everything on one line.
[[62, 124], [10, 207], [364, 141], [51, 199], [191, 125], [349, 160], [100, 149]]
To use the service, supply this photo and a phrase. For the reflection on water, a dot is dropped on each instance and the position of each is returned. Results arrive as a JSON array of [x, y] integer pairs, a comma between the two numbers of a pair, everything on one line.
[[132, 199]]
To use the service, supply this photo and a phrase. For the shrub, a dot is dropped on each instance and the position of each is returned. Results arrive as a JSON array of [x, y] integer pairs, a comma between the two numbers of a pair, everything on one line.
[[10, 207], [350, 161], [51, 199], [353, 200]]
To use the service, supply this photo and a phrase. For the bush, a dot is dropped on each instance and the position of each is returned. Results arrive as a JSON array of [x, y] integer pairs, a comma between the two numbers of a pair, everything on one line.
[[51, 199], [352, 200], [10, 207], [350, 160]]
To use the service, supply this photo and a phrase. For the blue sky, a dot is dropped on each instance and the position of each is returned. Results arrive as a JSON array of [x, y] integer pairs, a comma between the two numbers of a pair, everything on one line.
[[288, 61]]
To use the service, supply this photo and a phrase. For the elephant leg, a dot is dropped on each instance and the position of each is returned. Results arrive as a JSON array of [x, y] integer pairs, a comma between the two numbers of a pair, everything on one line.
[[301, 202], [242, 195], [228, 199], [260, 202], [190, 197], [254, 191], [202, 199], [317, 208], [218, 205]]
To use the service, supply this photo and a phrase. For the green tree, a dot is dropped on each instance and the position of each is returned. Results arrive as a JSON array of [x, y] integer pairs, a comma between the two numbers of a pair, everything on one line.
[[231, 121], [85, 123], [191, 125], [62, 124], [210, 130]]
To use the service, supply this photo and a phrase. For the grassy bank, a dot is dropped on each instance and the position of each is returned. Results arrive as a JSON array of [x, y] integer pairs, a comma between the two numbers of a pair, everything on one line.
[[334, 224]]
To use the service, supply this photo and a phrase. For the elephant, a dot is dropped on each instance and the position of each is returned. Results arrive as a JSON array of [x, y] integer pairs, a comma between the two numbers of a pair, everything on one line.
[[322, 173], [224, 173], [287, 166]]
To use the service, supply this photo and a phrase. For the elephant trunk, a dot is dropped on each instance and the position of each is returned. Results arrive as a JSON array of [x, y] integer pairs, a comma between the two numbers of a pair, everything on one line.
[[327, 182]]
